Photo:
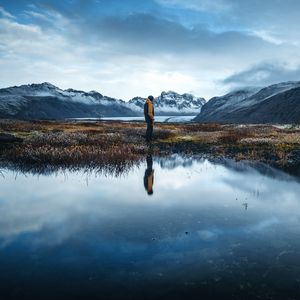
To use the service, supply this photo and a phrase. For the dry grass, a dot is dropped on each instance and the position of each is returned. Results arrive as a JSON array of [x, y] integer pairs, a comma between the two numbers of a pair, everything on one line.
[[235, 135], [201, 127], [113, 144]]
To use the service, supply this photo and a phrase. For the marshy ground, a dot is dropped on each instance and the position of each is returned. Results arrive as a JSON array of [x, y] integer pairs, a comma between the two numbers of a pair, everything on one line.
[[115, 146]]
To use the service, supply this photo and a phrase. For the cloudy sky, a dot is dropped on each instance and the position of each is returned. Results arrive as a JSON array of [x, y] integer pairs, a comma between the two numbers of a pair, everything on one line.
[[127, 48]]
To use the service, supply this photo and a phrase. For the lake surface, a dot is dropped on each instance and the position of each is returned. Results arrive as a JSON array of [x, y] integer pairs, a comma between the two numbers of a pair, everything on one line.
[[159, 119], [171, 228]]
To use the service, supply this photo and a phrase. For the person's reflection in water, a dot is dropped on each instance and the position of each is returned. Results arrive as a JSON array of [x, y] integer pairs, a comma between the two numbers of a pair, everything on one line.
[[149, 176]]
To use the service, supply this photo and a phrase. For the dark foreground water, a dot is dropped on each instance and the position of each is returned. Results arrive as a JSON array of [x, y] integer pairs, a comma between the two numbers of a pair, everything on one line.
[[190, 229]]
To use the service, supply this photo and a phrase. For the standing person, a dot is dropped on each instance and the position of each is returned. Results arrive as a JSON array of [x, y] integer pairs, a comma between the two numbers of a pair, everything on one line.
[[149, 117]]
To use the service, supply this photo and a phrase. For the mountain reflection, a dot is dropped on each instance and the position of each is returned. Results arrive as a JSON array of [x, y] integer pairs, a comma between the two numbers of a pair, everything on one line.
[[171, 162], [31, 202], [207, 224]]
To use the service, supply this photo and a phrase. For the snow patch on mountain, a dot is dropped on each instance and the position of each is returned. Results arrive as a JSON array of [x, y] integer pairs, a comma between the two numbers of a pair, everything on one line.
[[272, 90], [248, 96], [234, 98], [170, 103], [49, 90], [239, 105]]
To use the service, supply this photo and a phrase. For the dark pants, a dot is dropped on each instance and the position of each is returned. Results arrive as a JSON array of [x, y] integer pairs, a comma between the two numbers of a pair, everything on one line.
[[149, 130]]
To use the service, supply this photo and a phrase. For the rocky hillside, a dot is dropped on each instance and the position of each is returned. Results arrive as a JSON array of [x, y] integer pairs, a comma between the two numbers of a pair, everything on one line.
[[170, 104], [278, 103], [46, 101]]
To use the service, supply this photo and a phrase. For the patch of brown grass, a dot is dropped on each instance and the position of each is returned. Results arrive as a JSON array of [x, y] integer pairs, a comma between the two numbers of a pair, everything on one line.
[[162, 134], [235, 135], [201, 127]]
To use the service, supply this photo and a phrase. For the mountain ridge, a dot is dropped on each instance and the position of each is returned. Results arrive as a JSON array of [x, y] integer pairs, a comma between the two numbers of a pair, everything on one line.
[[170, 103], [277, 103], [45, 100], [271, 104]]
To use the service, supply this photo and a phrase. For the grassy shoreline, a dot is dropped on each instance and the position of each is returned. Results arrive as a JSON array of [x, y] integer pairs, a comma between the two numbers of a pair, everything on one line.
[[117, 145]]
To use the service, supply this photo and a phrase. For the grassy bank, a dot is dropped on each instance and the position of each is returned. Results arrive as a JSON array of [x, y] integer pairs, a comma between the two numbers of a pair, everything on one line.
[[116, 145]]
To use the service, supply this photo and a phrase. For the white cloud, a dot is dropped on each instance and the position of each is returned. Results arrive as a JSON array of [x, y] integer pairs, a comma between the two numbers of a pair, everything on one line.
[[200, 5], [5, 13], [41, 54], [113, 55], [268, 36], [264, 74]]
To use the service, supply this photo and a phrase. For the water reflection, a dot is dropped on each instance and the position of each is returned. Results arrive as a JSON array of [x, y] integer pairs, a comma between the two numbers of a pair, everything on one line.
[[149, 175], [194, 237]]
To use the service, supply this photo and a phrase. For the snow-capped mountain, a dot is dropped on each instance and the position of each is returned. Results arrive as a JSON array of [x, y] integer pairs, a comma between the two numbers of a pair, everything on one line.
[[277, 103], [173, 161], [46, 101], [170, 103]]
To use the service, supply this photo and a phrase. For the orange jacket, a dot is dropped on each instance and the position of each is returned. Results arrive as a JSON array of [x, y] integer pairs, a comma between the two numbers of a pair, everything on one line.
[[148, 109]]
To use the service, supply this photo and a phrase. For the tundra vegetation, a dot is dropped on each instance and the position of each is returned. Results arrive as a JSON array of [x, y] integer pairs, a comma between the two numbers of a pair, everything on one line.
[[112, 146]]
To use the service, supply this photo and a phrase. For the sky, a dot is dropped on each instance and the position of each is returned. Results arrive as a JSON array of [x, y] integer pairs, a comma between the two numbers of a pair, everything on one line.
[[128, 48]]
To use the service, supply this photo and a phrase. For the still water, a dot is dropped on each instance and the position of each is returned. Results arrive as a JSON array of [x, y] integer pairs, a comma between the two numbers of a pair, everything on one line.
[[171, 228], [159, 119]]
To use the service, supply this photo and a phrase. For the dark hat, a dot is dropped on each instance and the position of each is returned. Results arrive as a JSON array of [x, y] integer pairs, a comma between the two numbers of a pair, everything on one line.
[[150, 98], [150, 192]]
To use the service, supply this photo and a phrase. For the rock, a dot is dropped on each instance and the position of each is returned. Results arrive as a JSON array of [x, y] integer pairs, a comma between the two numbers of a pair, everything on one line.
[[274, 104], [294, 157]]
